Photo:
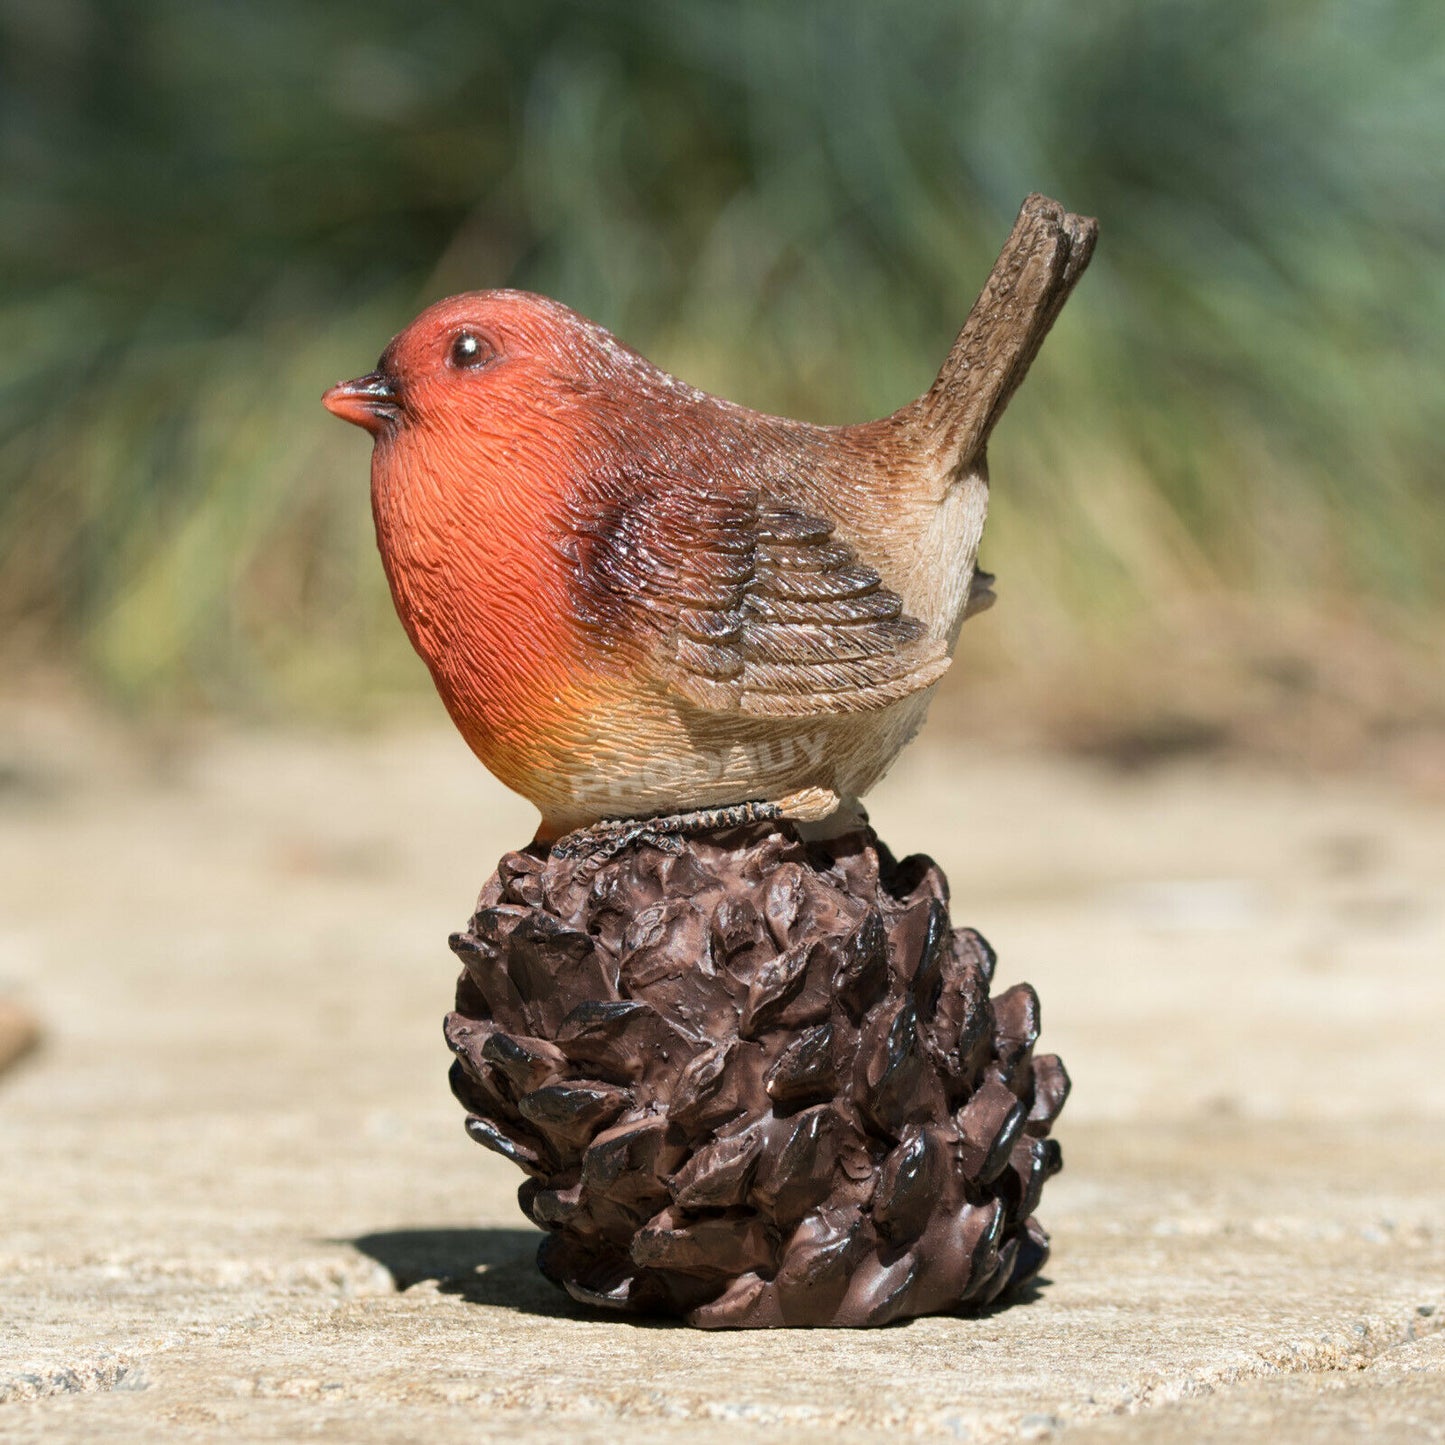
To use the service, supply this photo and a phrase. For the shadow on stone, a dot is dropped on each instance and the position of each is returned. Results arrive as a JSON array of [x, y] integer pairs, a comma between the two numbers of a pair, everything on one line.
[[482, 1266], [498, 1267], [1032, 1293]]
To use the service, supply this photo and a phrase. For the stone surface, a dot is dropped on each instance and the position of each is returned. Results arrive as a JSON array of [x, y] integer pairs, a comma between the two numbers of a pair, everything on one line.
[[236, 1198]]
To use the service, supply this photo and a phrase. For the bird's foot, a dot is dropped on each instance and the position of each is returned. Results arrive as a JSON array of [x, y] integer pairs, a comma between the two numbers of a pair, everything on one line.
[[605, 840]]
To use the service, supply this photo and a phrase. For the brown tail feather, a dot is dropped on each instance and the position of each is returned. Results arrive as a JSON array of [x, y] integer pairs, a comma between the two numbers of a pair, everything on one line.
[[1040, 264]]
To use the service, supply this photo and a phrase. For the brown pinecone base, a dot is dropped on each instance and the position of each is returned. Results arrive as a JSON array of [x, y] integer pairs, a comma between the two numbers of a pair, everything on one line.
[[757, 1083]]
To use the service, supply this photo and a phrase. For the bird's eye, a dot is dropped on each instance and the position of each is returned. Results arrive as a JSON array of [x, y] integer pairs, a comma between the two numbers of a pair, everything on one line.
[[469, 350]]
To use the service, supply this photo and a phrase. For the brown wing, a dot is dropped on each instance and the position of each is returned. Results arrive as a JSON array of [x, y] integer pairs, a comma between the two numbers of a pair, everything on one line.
[[743, 604]]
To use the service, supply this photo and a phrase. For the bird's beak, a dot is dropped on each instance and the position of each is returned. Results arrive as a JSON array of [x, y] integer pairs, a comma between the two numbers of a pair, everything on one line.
[[370, 401]]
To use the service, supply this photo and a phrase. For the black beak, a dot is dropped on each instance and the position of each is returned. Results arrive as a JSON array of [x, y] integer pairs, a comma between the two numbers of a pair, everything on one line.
[[371, 401]]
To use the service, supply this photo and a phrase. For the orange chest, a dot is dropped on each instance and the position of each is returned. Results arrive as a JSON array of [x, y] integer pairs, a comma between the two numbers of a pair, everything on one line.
[[482, 590]]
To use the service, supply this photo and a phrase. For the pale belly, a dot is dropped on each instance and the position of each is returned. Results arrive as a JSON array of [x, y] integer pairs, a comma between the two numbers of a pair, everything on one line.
[[636, 761]]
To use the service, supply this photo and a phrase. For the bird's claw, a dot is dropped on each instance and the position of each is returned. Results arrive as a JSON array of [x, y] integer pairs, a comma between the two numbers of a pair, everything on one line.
[[600, 842]]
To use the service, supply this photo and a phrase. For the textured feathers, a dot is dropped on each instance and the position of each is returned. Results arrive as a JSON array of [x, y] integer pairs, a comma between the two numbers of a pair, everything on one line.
[[739, 603]]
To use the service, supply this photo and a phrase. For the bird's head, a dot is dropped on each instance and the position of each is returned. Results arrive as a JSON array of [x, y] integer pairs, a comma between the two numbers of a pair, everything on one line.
[[477, 364]]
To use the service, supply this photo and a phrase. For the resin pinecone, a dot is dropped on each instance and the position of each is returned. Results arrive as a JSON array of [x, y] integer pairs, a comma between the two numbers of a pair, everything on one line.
[[758, 1082]]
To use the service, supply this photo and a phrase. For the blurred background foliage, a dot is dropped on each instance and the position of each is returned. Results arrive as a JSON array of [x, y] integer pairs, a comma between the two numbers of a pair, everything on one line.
[[1219, 503]]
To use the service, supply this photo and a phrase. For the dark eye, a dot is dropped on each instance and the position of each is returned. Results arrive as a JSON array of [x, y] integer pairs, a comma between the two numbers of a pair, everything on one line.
[[469, 350]]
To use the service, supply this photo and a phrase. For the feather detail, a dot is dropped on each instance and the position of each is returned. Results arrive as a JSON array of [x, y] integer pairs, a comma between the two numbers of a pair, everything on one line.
[[742, 604]]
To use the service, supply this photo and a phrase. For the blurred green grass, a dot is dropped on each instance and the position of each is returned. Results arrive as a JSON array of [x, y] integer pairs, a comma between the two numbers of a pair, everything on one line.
[[1219, 500]]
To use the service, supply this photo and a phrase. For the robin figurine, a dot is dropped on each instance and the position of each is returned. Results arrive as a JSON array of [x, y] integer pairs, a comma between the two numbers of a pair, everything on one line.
[[648, 609]]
